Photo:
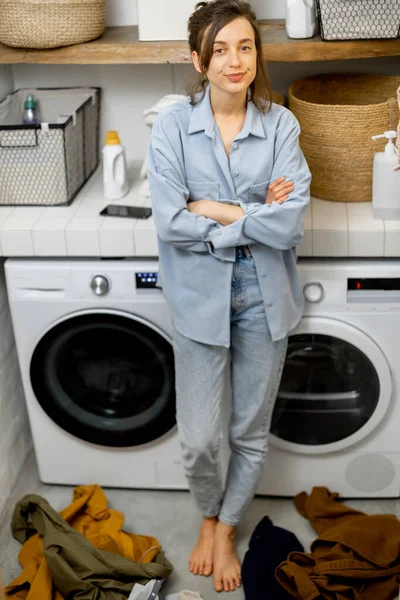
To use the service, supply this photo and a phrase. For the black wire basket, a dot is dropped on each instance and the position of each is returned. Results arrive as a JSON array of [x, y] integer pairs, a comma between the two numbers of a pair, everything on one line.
[[359, 19], [48, 163]]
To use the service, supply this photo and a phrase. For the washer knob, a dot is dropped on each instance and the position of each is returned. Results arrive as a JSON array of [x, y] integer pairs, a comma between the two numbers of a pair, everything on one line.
[[100, 285], [313, 292]]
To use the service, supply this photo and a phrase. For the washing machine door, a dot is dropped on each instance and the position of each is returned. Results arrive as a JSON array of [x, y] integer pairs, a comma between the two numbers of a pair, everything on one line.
[[107, 378], [336, 387]]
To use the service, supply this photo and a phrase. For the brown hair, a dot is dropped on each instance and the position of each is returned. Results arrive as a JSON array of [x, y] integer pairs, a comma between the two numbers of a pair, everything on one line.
[[204, 23]]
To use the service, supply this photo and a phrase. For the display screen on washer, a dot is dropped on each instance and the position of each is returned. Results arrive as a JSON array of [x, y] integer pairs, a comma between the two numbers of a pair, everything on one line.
[[145, 279], [329, 390], [106, 378], [374, 284]]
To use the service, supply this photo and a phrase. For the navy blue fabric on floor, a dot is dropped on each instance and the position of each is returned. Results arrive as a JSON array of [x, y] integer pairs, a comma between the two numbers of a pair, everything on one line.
[[269, 546]]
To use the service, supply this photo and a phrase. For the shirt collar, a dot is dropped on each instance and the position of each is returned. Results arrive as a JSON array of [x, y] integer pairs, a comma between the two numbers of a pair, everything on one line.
[[202, 118]]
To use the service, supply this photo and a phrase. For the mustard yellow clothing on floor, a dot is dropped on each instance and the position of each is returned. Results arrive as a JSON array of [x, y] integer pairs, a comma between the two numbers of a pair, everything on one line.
[[83, 549], [355, 557]]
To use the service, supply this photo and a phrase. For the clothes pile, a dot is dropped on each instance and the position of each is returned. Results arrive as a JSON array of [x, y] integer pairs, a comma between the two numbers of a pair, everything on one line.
[[82, 552], [355, 557]]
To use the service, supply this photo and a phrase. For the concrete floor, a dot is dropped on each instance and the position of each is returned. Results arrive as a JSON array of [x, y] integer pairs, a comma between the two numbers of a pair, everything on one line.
[[172, 518]]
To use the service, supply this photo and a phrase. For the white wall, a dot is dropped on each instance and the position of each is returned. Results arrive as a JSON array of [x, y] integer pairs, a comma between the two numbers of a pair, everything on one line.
[[15, 438], [128, 89], [124, 12]]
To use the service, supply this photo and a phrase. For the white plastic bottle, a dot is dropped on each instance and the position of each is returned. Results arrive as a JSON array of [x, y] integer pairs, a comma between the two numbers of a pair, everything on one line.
[[386, 181], [115, 177], [300, 18]]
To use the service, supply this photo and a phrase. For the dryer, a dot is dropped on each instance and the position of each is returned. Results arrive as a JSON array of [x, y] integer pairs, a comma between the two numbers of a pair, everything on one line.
[[336, 418], [93, 340]]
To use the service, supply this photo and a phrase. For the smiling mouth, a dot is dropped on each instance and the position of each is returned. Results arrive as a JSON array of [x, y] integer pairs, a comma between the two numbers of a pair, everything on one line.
[[235, 75]]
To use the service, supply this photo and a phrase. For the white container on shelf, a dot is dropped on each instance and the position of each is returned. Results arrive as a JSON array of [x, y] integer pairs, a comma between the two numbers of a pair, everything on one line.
[[300, 18], [164, 20], [115, 177], [386, 180]]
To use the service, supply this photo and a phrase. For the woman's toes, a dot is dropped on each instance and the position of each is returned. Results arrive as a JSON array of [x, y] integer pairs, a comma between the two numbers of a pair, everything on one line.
[[207, 569]]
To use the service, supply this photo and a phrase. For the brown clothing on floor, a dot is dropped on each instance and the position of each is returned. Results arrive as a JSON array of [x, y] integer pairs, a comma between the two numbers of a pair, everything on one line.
[[355, 557], [83, 550]]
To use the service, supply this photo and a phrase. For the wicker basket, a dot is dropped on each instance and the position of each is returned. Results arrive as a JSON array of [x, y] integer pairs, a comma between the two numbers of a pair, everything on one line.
[[50, 23], [338, 114]]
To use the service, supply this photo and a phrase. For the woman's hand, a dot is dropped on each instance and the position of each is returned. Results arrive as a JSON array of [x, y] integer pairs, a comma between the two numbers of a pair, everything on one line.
[[225, 214], [201, 207], [279, 190]]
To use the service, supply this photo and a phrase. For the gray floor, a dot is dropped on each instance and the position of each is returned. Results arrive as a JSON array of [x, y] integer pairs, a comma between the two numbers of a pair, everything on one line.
[[173, 519]]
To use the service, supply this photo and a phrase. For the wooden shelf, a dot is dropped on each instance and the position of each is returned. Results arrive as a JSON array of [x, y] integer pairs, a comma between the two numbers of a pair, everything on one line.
[[120, 45]]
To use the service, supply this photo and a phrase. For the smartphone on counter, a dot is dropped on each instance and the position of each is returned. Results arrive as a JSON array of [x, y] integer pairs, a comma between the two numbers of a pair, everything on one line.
[[133, 212]]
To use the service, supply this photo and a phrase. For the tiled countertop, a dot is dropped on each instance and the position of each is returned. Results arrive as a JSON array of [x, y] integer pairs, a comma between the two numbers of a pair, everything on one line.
[[331, 229]]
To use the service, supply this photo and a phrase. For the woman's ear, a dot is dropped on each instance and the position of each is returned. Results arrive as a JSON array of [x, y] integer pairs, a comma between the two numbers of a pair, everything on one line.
[[196, 62]]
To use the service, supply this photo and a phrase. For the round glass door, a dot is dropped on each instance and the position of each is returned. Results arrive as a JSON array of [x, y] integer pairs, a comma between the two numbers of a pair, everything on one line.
[[335, 388], [106, 378]]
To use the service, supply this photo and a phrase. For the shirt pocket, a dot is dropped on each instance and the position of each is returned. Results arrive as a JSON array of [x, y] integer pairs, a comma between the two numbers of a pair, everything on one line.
[[203, 190], [258, 192]]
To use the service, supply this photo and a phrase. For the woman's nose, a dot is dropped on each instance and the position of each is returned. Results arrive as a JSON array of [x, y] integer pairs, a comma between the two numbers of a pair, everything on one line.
[[234, 58]]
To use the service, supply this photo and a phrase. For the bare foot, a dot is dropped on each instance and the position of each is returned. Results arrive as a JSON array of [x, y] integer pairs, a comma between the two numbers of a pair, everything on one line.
[[201, 558], [227, 568]]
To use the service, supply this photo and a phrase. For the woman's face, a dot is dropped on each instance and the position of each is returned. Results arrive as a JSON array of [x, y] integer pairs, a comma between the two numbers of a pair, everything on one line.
[[233, 64]]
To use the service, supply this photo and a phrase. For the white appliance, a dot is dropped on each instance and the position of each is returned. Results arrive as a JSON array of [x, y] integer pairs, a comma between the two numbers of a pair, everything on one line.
[[88, 332], [93, 341], [336, 421]]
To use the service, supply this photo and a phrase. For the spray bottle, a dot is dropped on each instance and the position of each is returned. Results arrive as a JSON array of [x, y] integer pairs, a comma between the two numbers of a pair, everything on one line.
[[386, 180], [30, 117]]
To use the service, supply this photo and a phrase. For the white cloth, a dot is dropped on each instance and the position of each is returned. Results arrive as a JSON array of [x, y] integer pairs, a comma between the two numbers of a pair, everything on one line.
[[142, 592], [150, 115], [184, 595]]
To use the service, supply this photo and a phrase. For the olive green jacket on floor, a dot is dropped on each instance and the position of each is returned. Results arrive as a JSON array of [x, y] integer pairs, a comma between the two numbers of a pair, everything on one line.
[[77, 568]]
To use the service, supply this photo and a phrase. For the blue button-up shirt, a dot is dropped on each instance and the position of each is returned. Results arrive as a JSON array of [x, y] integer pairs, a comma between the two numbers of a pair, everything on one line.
[[187, 161]]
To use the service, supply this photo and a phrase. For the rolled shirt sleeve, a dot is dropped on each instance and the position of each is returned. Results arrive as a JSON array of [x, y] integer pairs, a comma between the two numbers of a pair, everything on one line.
[[276, 225], [174, 223]]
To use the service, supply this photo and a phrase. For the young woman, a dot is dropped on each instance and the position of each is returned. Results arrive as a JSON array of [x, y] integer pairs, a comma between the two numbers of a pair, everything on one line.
[[227, 239]]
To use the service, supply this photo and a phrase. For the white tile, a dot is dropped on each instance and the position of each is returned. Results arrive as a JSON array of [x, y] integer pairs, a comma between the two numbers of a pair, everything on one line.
[[366, 235], [329, 228], [49, 237], [145, 237], [392, 238], [116, 237], [28, 211], [16, 236], [82, 236]]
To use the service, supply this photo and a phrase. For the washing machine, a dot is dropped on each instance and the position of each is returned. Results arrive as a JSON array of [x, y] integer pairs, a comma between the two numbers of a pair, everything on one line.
[[94, 347], [337, 415]]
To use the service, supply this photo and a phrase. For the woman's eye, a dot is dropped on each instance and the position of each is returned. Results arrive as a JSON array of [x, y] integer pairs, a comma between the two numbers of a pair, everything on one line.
[[246, 48], [218, 51]]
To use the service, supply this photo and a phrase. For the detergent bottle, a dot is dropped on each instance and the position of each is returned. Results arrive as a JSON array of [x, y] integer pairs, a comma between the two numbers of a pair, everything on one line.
[[114, 168]]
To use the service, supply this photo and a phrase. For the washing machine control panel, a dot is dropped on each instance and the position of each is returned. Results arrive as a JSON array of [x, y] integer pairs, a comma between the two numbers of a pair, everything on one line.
[[146, 280]]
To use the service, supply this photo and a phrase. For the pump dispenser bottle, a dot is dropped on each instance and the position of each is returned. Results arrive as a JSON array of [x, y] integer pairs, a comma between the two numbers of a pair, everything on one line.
[[386, 180]]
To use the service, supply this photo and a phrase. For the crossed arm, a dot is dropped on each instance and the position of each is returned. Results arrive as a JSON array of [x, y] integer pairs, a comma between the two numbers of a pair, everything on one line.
[[277, 223], [226, 214]]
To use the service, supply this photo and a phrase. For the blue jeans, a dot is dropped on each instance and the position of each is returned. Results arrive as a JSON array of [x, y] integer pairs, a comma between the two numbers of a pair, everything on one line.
[[256, 364]]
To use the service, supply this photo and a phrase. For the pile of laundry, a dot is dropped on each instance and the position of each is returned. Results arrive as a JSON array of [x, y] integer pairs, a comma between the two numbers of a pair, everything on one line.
[[83, 552], [355, 557]]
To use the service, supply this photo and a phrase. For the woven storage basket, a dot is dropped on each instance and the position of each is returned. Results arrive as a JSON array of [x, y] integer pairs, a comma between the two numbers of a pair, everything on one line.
[[338, 114], [50, 23]]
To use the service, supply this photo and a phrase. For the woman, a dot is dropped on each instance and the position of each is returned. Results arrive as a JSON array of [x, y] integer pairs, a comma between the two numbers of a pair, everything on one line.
[[228, 263]]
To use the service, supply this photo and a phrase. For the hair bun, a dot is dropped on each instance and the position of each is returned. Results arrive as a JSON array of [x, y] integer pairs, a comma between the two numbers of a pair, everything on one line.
[[200, 5]]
